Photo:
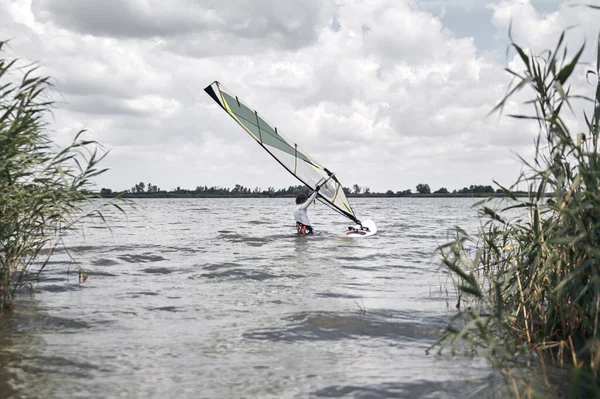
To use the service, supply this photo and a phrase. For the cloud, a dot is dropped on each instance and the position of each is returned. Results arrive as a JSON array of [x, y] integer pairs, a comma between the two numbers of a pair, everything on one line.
[[387, 94], [207, 28], [536, 29], [132, 18], [109, 68]]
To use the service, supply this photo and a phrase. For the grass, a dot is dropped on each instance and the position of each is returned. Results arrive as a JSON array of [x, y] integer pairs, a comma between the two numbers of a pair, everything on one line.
[[531, 290], [43, 189]]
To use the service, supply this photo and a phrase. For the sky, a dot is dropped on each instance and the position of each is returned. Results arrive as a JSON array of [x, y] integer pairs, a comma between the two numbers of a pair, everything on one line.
[[385, 93]]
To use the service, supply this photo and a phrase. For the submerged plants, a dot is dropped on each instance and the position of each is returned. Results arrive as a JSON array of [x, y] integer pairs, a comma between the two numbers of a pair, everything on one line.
[[531, 289], [43, 189]]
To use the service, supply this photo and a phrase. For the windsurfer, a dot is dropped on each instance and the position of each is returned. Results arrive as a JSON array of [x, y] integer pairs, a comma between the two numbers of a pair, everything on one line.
[[300, 212]]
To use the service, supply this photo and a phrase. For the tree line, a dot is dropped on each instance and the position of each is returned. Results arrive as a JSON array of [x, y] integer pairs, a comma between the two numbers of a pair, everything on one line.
[[142, 189]]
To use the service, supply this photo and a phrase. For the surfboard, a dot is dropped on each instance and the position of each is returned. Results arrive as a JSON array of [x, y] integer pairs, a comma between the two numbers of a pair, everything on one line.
[[367, 229]]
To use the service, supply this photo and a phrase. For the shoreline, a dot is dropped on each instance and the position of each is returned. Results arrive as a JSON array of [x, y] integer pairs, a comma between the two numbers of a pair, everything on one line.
[[375, 195]]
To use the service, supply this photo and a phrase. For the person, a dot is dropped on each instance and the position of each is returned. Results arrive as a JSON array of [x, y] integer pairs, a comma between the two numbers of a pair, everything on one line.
[[300, 213]]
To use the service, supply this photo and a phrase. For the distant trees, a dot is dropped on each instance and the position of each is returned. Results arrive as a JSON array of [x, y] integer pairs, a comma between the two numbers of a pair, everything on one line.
[[240, 191], [138, 188], [423, 188], [477, 189], [141, 188]]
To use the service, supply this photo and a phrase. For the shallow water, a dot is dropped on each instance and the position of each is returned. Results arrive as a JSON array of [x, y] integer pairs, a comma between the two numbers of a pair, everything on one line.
[[218, 298]]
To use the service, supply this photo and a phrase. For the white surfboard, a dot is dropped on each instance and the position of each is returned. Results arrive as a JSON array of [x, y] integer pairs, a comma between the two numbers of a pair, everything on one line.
[[368, 229]]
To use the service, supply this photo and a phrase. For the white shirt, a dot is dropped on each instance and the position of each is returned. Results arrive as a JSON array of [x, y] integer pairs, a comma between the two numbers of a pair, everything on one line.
[[300, 212]]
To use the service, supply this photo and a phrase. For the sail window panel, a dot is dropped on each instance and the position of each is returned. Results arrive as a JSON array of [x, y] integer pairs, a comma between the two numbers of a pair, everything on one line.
[[342, 203], [309, 174], [329, 189], [304, 171]]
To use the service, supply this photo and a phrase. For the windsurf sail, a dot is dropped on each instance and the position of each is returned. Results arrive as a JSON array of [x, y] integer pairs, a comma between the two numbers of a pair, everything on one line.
[[285, 151]]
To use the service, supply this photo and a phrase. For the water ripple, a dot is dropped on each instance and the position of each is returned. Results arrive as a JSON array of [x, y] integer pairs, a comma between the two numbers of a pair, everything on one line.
[[140, 258], [332, 326]]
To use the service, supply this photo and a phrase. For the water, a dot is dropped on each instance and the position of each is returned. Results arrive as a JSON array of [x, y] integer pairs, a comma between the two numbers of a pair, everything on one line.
[[218, 298]]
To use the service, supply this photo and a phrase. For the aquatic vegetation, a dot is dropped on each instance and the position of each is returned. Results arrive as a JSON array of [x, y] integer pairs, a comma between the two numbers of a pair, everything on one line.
[[42, 187], [531, 289]]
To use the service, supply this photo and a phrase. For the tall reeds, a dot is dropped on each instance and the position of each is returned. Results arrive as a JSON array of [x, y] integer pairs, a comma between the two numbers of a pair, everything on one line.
[[528, 283], [42, 187]]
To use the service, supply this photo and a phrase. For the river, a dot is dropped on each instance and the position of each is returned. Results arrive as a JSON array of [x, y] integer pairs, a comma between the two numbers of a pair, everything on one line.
[[217, 298]]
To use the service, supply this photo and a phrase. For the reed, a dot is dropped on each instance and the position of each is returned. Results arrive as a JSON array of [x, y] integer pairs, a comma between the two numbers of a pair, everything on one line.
[[42, 187], [531, 288]]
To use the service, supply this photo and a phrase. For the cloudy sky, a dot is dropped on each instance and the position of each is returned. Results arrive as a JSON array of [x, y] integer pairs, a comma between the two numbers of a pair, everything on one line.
[[386, 93]]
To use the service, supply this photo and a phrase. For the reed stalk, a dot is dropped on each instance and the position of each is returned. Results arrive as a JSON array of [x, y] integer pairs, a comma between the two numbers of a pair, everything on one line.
[[43, 188], [532, 287]]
